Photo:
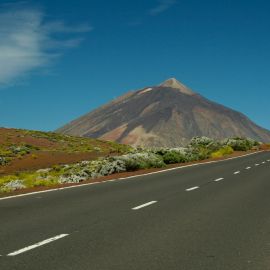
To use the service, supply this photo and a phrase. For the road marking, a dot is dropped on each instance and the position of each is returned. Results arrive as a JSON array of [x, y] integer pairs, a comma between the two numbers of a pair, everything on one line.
[[248, 168], [236, 172], [143, 205], [257, 164], [263, 162], [268, 160], [192, 188], [128, 177], [47, 241], [219, 179]]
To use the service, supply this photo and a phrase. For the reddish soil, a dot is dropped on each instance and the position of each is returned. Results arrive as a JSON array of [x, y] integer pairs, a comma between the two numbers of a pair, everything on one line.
[[52, 150], [265, 147], [17, 137], [45, 159], [126, 174]]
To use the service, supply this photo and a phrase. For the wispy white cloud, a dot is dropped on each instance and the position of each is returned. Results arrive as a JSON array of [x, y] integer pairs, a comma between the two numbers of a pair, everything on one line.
[[28, 41], [162, 6]]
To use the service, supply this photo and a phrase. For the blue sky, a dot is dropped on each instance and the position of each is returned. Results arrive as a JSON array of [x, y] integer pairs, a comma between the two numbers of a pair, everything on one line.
[[60, 59]]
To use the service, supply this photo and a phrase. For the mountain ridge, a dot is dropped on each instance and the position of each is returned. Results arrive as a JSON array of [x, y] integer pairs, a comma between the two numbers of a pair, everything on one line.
[[168, 114]]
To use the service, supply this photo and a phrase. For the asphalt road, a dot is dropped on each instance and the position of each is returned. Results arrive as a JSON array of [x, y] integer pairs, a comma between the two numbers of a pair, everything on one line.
[[212, 216]]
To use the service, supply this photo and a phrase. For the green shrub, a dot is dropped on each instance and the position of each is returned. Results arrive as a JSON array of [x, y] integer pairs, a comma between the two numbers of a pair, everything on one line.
[[133, 165], [145, 160], [204, 153], [226, 150], [201, 141], [56, 168], [3, 161], [44, 182], [172, 157], [241, 144], [198, 149]]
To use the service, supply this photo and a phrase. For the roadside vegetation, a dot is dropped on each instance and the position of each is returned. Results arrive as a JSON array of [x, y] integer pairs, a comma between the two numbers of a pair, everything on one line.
[[126, 159], [22, 150], [16, 143]]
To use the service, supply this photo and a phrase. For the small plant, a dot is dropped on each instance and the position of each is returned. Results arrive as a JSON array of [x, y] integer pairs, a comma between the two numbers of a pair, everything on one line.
[[34, 156], [56, 168], [226, 150], [3, 161], [13, 185]]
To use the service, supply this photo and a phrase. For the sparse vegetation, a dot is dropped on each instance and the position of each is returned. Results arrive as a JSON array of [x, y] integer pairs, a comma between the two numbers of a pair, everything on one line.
[[225, 150], [17, 146], [174, 157], [125, 159], [241, 144]]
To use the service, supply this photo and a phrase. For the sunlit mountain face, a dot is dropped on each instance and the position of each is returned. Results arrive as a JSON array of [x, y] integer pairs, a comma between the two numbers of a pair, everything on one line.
[[168, 114]]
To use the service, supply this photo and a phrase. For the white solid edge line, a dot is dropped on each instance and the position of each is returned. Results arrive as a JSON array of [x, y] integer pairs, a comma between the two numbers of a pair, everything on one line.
[[192, 188], [120, 179], [236, 172], [143, 205], [47, 241], [219, 179]]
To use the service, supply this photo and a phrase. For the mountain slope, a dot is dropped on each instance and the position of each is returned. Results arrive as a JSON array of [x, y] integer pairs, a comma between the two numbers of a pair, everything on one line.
[[169, 114], [22, 150]]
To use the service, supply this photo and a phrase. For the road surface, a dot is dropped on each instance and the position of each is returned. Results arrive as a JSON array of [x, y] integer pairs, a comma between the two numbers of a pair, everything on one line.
[[211, 216]]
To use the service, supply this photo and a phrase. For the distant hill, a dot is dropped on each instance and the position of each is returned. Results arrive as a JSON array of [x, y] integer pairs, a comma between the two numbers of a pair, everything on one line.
[[169, 114], [22, 150]]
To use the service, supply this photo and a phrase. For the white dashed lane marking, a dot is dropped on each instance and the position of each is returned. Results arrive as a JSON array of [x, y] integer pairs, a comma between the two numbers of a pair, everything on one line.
[[248, 168], [192, 188], [143, 205], [237, 172], [45, 242], [219, 179], [257, 164]]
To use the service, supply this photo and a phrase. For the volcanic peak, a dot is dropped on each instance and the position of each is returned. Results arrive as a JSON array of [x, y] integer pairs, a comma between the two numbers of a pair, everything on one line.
[[174, 83]]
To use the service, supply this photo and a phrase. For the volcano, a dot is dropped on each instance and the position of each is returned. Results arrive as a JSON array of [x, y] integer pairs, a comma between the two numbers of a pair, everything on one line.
[[167, 115]]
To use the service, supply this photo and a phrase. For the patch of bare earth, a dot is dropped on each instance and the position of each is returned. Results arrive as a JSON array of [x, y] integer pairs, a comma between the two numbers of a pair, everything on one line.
[[45, 159], [17, 137]]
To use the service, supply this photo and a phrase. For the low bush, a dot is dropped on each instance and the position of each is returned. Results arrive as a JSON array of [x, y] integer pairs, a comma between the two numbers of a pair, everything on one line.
[[45, 182], [200, 148], [12, 185], [145, 160], [3, 161], [226, 150], [112, 166], [241, 144], [201, 141], [174, 157], [6, 153]]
